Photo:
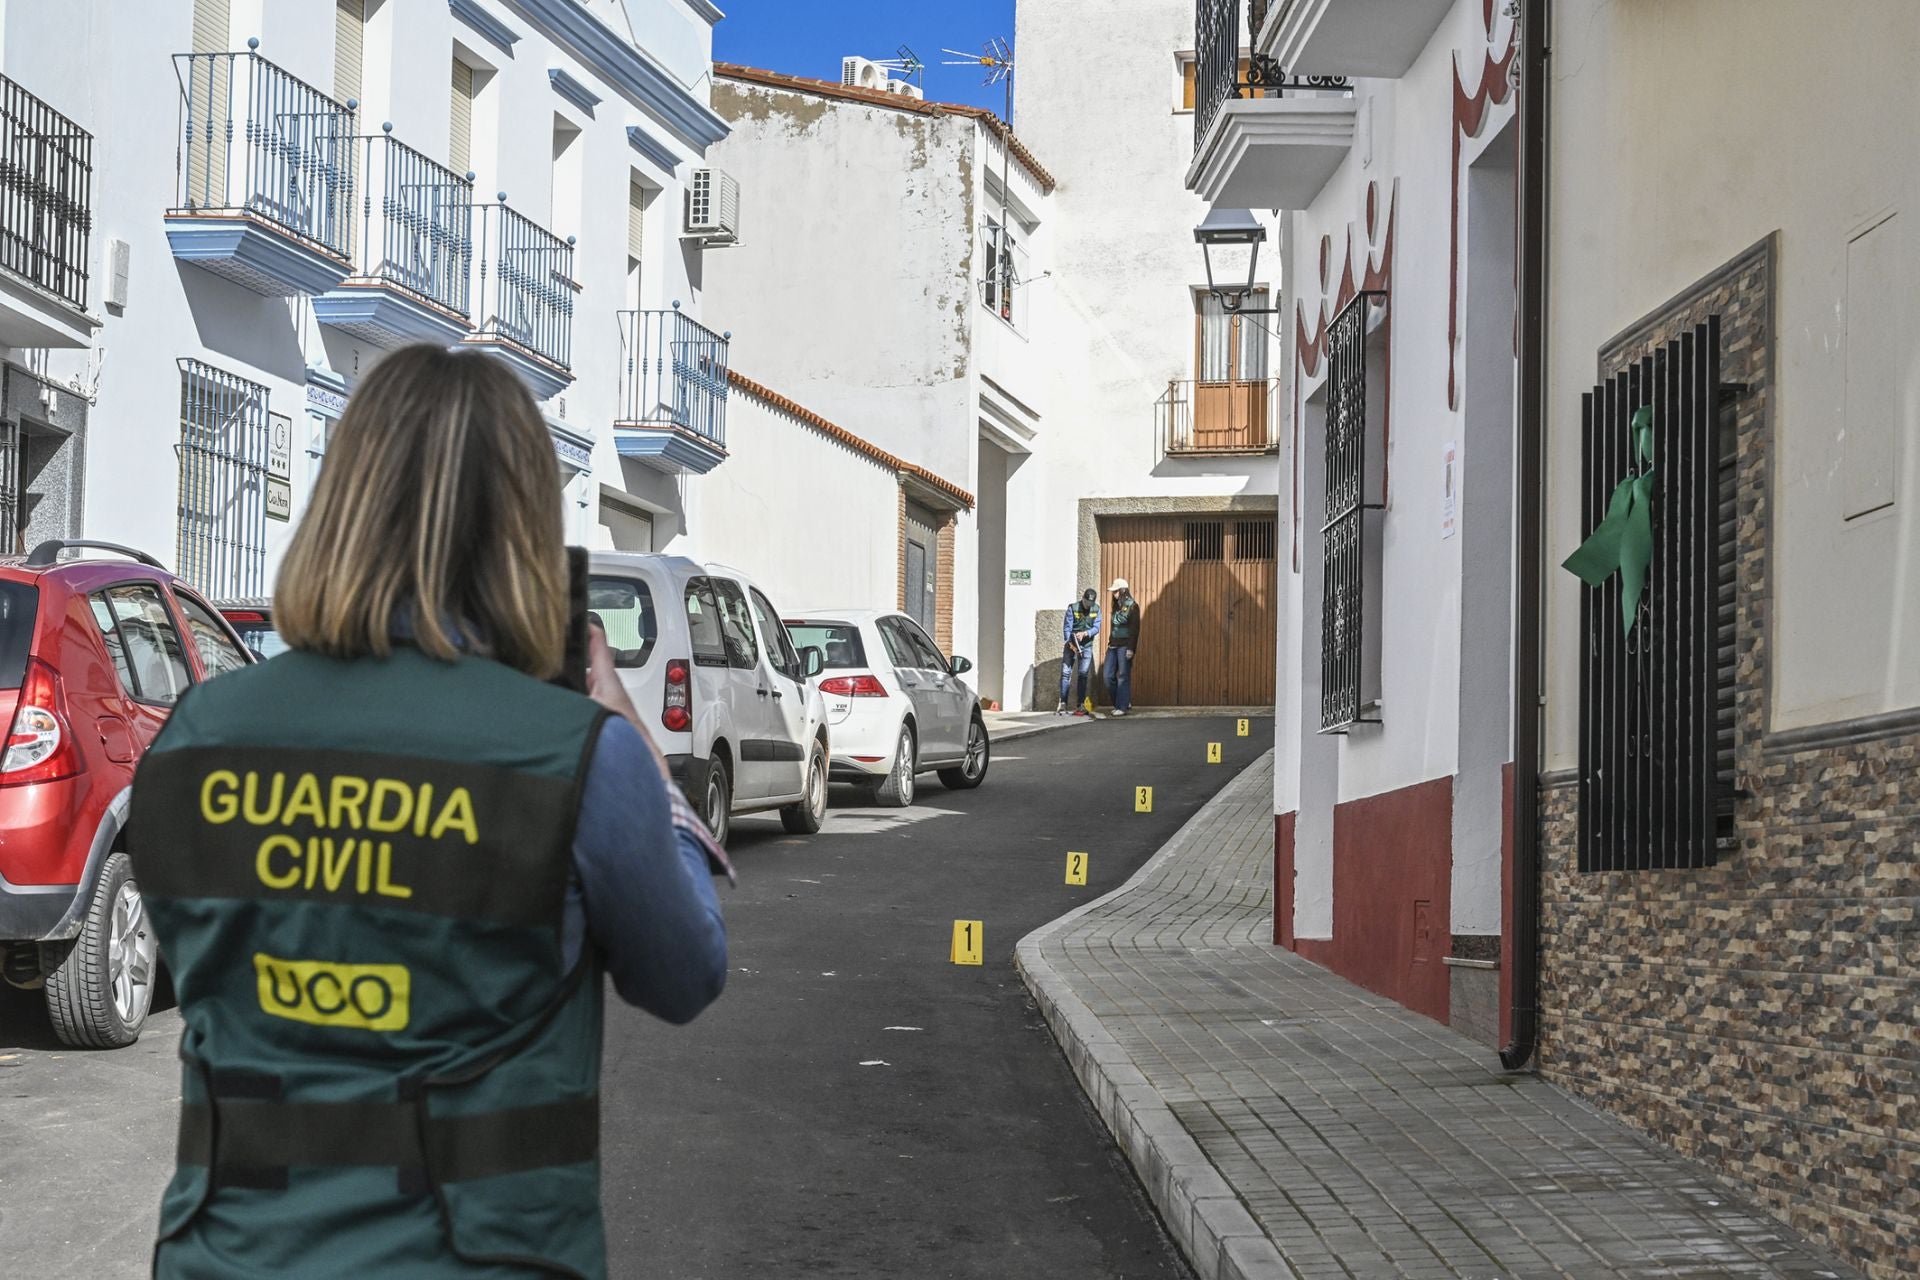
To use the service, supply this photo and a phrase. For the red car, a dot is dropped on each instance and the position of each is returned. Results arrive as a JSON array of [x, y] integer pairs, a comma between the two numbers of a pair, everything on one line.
[[94, 652]]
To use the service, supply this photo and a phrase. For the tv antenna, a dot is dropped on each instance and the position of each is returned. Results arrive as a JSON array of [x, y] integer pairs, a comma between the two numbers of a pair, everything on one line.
[[905, 63]]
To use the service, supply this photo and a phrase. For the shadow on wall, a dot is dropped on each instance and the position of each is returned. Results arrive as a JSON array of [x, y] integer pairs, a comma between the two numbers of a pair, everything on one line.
[[242, 325], [1042, 685]]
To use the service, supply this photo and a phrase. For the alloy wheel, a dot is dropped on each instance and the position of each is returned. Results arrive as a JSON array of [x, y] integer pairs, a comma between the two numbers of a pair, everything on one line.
[[903, 776], [976, 751], [131, 951]]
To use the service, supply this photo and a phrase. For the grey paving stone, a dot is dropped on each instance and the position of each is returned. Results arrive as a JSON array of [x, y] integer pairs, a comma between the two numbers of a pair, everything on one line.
[[1291, 1126]]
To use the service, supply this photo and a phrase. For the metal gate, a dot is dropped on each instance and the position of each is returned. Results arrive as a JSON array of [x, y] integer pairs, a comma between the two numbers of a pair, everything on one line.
[[1206, 586], [223, 469]]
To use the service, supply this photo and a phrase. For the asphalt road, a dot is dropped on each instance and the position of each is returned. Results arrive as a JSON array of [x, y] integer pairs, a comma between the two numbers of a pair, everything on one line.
[[857, 1106]]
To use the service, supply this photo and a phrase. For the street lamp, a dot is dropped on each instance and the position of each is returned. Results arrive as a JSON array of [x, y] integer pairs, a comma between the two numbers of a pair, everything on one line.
[[1228, 230]]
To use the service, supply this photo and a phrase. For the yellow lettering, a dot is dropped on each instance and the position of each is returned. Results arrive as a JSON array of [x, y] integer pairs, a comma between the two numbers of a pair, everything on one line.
[[337, 860], [366, 997], [422, 809], [305, 802], [363, 880], [255, 815], [227, 806], [386, 886], [385, 789], [349, 794], [458, 814], [263, 861]]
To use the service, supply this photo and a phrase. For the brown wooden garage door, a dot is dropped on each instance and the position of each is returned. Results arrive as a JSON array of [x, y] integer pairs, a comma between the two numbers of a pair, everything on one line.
[[1206, 586]]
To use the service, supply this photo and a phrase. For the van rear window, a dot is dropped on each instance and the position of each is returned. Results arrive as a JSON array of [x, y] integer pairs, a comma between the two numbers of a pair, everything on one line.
[[624, 608], [19, 602]]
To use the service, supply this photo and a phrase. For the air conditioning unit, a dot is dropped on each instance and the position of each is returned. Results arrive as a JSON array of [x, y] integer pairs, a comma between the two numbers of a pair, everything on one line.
[[906, 89], [862, 73], [713, 207]]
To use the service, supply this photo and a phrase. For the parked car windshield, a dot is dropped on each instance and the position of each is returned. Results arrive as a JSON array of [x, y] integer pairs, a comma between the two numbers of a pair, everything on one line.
[[839, 641], [624, 609], [19, 601]]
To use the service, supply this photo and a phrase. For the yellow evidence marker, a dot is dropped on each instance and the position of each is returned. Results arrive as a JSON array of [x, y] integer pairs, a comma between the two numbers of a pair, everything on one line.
[[1213, 753], [1143, 799], [1241, 728], [967, 940], [1076, 868]]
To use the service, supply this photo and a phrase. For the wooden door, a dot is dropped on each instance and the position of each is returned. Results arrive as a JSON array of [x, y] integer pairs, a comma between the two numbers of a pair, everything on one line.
[[1206, 587]]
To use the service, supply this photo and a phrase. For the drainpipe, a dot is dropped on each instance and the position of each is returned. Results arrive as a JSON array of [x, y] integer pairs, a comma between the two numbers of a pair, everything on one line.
[[1523, 907]]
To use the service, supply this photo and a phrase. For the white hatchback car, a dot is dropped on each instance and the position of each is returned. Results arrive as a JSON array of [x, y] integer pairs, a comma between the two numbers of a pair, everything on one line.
[[896, 705], [733, 703]]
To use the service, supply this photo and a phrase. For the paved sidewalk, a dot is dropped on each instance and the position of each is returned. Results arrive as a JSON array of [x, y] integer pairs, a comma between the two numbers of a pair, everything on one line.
[[1006, 726], [1289, 1124]]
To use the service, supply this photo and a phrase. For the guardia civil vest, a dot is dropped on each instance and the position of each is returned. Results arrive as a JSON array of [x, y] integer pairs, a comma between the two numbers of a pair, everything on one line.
[[357, 872]]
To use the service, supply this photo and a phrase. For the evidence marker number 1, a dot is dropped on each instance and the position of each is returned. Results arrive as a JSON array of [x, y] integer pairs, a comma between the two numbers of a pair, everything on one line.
[[967, 942]]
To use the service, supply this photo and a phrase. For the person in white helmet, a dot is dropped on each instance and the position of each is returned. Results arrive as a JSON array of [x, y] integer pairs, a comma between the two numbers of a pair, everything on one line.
[[1123, 636]]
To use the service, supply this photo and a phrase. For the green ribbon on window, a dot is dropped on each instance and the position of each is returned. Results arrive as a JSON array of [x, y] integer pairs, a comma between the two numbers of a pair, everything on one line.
[[1624, 538]]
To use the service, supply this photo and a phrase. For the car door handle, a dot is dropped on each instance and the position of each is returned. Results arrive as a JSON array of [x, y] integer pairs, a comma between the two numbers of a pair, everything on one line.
[[777, 695], [762, 691]]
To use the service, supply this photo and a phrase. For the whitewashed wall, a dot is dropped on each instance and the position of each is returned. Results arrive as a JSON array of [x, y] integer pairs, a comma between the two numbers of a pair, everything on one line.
[[1800, 122], [109, 66]]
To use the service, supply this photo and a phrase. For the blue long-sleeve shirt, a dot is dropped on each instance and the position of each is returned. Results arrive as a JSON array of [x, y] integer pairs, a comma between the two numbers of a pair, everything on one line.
[[641, 889], [1082, 624]]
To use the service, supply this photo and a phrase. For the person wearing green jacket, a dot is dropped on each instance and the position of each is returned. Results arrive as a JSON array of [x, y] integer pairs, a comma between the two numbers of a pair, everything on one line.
[[1123, 636]]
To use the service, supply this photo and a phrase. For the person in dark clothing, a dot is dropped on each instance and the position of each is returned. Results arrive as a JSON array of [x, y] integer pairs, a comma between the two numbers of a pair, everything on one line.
[[1081, 629], [1123, 636], [393, 868]]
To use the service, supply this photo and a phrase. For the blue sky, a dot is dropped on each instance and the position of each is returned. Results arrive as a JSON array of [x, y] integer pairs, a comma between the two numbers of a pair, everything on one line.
[[809, 37]]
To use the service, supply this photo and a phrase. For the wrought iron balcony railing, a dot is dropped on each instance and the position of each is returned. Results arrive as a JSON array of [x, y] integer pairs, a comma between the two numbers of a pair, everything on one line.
[[1223, 73], [526, 284], [673, 374], [254, 138], [46, 194], [1197, 417], [416, 224]]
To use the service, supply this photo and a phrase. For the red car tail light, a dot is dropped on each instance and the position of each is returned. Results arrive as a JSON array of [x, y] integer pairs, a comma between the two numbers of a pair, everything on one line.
[[676, 712], [854, 687], [40, 746]]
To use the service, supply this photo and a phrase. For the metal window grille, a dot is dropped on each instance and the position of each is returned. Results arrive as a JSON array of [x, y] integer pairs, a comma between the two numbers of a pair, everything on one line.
[[417, 224], [46, 194], [9, 485], [1350, 576], [254, 137], [526, 284], [1002, 287], [1253, 540], [673, 373], [1206, 540], [1221, 74], [223, 470], [1656, 704]]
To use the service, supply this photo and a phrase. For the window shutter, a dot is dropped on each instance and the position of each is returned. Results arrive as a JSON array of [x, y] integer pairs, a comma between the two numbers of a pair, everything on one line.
[[207, 92], [460, 119], [349, 48], [636, 220], [211, 21]]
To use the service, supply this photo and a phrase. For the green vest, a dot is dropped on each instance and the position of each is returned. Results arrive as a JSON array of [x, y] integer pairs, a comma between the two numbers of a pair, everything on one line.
[[357, 872]]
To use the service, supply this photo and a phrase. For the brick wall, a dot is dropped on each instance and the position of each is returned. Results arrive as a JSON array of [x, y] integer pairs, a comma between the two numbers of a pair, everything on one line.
[[1759, 1015], [900, 545], [943, 588]]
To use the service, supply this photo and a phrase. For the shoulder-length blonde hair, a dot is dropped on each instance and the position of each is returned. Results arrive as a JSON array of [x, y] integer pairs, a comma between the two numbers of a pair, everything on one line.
[[441, 498]]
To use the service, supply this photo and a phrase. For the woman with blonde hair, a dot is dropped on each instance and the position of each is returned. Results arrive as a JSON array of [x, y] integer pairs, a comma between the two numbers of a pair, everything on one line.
[[389, 867]]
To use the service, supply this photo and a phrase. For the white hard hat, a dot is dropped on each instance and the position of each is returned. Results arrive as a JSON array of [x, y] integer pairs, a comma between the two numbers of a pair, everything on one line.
[[1119, 584]]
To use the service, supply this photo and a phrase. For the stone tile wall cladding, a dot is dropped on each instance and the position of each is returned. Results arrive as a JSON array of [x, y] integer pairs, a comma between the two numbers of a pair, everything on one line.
[[1759, 1015]]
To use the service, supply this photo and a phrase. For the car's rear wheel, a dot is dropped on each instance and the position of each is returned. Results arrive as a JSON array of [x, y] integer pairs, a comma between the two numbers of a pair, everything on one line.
[[717, 806], [972, 769], [804, 818], [98, 996], [896, 789]]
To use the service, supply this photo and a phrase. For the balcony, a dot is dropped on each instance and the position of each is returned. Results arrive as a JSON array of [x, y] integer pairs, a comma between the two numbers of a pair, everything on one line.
[[1378, 38], [1201, 418], [526, 290], [413, 251], [673, 393], [1263, 137], [266, 176], [46, 216]]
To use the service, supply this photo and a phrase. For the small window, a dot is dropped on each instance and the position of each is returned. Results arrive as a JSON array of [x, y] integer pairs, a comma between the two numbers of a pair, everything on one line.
[[115, 645], [218, 653], [899, 648], [736, 625], [624, 610], [839, 641], [778, 642], [19, 603], [703, 624], [154, 651], [1206, 540], [1253, 539], [926, 653]]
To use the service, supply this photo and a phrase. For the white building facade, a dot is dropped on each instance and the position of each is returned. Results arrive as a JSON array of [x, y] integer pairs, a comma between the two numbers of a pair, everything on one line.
[[254, 201]]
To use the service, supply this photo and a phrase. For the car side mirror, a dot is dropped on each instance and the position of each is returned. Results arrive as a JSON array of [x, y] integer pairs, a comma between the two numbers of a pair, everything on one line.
[[959, 666], [812, 660]]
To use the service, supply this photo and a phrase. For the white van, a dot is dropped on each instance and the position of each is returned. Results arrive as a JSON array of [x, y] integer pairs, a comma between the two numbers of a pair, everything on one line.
[[709, 665]]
